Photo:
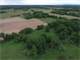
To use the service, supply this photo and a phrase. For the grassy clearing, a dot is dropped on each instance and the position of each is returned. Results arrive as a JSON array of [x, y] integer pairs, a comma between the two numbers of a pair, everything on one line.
[[11, 51], [48, 20]]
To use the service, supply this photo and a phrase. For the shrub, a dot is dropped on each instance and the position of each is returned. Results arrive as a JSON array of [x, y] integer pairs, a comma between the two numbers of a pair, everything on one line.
[[26, 31]]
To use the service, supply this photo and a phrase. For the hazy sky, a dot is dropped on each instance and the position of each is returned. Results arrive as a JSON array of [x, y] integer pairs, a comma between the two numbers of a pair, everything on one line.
[[38, 2]]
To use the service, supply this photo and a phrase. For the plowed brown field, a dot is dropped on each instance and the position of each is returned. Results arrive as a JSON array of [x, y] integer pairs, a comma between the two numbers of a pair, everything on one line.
[[16, 24]]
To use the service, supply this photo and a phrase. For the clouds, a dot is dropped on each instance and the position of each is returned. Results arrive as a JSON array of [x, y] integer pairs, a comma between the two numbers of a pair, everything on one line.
[[51, 2], [38, 2], [11, 2], [2, 2]]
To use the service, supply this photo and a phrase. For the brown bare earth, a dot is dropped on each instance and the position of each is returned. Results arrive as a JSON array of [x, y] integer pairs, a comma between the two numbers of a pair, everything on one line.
[[16, 24]]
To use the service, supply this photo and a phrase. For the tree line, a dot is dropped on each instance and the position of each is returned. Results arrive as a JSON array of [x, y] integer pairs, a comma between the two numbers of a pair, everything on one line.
[[72, 12]]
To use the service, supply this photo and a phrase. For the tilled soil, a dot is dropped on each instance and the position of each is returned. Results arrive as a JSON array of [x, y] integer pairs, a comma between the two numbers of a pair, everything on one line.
[[16, 24]]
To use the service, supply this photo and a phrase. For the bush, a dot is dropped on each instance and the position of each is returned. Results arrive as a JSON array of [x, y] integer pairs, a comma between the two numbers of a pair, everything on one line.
[[40, 27], [26, 31]]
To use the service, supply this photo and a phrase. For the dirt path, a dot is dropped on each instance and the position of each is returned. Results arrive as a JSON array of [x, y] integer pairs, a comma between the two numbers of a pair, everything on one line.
[[66, 16]]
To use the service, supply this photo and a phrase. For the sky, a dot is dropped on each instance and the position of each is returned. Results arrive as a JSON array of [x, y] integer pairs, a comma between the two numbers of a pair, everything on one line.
[[39, 2]]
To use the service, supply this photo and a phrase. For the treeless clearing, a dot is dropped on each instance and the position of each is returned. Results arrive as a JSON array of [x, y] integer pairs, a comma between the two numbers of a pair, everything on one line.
[[16, 24]]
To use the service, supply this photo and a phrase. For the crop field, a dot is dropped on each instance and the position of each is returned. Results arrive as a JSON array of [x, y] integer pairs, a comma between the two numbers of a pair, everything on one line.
[[16, 24]]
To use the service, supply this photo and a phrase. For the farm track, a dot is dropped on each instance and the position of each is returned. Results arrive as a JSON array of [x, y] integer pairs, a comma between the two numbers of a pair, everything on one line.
[[65, 16]]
